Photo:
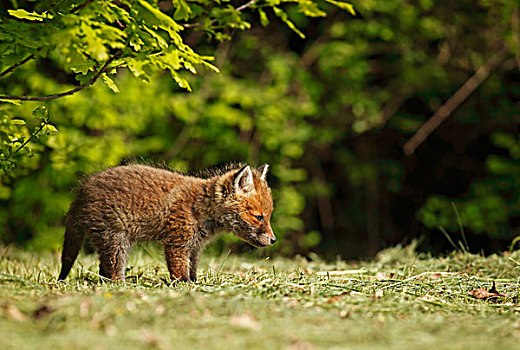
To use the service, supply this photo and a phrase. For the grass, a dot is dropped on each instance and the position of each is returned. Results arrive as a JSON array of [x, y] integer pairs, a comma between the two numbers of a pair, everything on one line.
[[399, 300]]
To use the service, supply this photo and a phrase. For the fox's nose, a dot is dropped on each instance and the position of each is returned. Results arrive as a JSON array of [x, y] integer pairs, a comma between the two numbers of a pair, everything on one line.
[[273, 239]]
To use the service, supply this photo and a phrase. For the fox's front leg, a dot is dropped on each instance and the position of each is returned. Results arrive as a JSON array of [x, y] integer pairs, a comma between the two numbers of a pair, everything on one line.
[[178, 261], [194, 262]]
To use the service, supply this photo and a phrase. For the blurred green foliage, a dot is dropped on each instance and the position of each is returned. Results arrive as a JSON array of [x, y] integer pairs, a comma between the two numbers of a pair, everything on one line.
[[229, 118], [93, 39], [492, 205], [329, 113]]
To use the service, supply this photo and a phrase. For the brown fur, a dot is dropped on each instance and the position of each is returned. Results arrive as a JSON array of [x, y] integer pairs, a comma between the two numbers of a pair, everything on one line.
[[120, 206]]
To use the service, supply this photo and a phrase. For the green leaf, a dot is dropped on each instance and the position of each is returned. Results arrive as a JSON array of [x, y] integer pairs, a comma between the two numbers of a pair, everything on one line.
[[14, 102], [83, 67], [263, 18], [159, 18], [110, 83], [139, 69], [183, 83], [30, 16], [50, 129], [41, 113], [182, 11], [343, 5], [205, 63], [311, 9], [84, 78], [17, 122], [160, 41], [285, 18]]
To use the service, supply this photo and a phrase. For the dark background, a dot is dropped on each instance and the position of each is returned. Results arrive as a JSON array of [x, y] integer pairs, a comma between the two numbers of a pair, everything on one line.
[[330, 113]]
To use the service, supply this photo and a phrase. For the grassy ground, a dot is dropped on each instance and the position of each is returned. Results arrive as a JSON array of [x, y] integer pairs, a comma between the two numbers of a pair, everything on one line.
[[400, 300]]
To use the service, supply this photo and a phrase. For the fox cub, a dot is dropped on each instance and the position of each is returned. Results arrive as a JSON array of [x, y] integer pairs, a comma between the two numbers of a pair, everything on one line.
[[136, 203]]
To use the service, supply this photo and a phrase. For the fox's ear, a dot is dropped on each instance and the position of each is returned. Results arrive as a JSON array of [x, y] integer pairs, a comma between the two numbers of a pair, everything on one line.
[[244, 181], [263, 171]]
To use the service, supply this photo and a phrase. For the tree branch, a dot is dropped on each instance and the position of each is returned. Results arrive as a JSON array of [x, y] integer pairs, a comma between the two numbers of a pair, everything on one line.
[[515, 31], [12, 68], [80, 7], [391, 107], [243, 7], [238, 9], [103, 69], [453, 102], [46, 122]]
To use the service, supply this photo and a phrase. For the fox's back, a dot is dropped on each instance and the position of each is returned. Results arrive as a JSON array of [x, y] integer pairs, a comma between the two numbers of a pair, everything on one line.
[[124, 194]]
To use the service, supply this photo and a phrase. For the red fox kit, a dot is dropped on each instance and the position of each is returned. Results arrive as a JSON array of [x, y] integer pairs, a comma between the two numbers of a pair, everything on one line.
[[136, 203]]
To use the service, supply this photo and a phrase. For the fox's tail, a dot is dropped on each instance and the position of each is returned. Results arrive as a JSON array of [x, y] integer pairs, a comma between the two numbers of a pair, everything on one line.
[[74, 237]]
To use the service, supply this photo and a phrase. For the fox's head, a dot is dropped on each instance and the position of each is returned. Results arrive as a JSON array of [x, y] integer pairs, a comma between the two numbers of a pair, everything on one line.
[[247, 205]]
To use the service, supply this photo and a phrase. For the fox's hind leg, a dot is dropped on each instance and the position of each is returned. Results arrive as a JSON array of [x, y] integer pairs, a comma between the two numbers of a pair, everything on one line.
[[113, 256]]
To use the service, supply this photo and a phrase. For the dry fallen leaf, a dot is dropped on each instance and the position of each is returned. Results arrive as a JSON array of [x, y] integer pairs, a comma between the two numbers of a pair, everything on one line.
[[13, 313], [337, 297], [427, 298], [299, 345], [130, 306], [41, 312], [435, 276], [245, 321], [344, 314], [110, 330], [160, 309], [482, 293], [151, 338], [84, 307], [380, 276], [379, 294]]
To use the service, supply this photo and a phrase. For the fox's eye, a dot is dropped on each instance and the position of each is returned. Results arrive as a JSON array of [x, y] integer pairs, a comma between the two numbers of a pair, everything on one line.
[[259, 217]]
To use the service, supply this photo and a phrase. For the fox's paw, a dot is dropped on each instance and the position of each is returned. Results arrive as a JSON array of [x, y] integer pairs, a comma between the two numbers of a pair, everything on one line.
[[177, 279]]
